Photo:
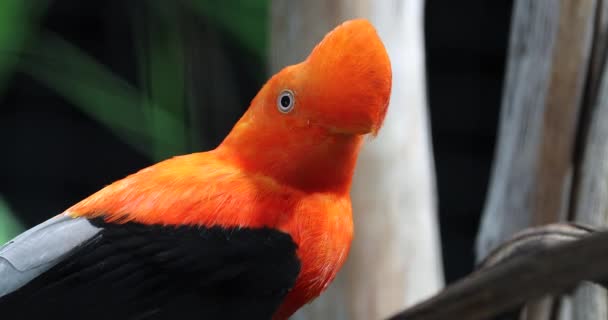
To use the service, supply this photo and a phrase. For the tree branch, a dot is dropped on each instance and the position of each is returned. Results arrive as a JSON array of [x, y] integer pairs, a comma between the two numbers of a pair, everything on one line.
[[547, 260]]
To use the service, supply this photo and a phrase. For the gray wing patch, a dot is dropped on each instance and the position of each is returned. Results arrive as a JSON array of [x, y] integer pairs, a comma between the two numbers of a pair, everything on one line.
[[40, 248]]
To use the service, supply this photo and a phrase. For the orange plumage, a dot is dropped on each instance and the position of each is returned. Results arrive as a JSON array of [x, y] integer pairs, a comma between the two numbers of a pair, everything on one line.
[[290, 171]]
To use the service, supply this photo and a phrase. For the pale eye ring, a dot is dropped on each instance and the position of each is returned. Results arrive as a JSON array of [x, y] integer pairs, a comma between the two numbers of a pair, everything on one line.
[[286, 101]]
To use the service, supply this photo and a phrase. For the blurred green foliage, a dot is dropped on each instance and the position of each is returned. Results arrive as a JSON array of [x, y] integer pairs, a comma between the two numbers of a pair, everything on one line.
[[151, 120], [9, 226], [160, 52], [17, 20], [12, 34], [96, 91], [246, 20], [152, 117]]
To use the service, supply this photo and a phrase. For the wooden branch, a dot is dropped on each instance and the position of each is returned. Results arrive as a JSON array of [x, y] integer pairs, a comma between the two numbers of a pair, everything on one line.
[[554, 262], [533, 240]]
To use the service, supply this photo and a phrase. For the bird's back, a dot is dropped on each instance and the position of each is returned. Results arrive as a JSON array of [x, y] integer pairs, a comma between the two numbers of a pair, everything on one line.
[[135, 271]]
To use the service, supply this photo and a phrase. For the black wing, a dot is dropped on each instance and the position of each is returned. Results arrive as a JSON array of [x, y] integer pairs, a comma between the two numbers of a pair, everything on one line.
[[135, 271]]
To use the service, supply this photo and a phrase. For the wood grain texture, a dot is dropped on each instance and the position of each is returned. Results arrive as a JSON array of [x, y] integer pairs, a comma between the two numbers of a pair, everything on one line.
[[509, 204], [548, 56], [590, 203], [395, 259], [547, 262], [570, 59]]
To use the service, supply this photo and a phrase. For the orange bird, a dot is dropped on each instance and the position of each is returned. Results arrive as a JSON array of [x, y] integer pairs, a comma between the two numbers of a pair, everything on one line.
[[254, 229]]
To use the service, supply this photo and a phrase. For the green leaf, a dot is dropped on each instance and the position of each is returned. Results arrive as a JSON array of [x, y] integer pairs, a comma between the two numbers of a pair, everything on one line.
[[161, 55], [96, 91], [9, 226], [17, 19]]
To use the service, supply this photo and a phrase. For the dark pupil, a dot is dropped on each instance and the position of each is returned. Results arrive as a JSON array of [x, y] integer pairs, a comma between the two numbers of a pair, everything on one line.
[[285, 101]]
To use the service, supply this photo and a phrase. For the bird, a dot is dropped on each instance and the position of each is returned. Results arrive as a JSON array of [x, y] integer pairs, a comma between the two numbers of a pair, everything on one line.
[[253, 229]]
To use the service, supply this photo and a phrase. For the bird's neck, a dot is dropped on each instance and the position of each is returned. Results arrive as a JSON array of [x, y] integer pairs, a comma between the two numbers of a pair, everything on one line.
[[304, 157]]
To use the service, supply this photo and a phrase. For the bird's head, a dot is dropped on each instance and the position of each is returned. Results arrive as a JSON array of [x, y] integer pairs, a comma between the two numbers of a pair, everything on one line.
[[339, 93], [343, 86]]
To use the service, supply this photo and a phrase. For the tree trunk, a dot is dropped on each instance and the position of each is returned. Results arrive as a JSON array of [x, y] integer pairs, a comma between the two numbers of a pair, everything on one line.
[[591, 198], [548, 57], [547, 74]]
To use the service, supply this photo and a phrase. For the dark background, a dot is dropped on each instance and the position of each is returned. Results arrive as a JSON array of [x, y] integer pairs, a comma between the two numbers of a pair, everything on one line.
[[54, 154]]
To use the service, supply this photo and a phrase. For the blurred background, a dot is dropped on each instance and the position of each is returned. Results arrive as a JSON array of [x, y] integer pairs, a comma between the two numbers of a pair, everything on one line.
[[91, 91]]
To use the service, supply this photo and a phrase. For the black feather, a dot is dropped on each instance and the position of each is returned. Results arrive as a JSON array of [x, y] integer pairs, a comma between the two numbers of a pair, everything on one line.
[[136, 271]]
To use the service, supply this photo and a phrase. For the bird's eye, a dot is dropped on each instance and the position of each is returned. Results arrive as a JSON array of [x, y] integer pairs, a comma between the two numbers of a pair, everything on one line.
[[286, 101]]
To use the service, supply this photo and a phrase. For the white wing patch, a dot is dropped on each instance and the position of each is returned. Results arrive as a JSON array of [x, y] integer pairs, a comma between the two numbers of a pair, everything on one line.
[[40, 248]]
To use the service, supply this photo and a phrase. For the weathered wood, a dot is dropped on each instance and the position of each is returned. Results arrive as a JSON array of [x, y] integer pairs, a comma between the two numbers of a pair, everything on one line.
[[535, 239], [548, 57], [550, 262], [598, 54], [570, 60], [591, 205], [396, 244], [591, 197], [508, 206], [531, 183]]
